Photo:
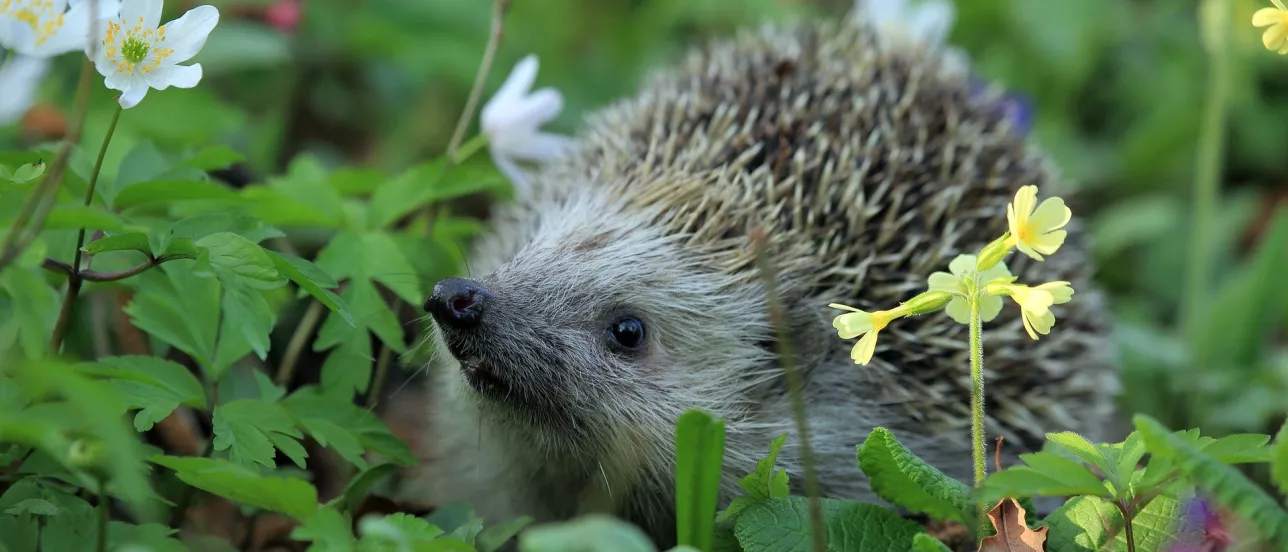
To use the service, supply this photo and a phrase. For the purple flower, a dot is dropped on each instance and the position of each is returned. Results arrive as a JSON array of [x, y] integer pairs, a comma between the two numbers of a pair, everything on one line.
[[1013, 106], [1201, 529]]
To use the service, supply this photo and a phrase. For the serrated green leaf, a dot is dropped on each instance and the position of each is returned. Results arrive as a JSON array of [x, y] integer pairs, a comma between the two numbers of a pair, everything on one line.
[[1225, 484], [153, 537], [307, 404], [35, 310], [399, 528], [240, 256], [1082, 448], [1045, 474], [165, 191], [1242, 448], [901, 478], [199, 226], [347, 368], [923, 542], [33, 506], [699, 456], [763, 484], [1279, 460], [360, 486], [155, 385], [120, 242], [339, 439], [589, 533], [293, 497], [327, 530], [370, 312], [249, 314], [291, 448], [212, 158], [312, 279], [242, 427], [18, 534], [783, 524], [386, 263], [424, 184], [1088, 523]]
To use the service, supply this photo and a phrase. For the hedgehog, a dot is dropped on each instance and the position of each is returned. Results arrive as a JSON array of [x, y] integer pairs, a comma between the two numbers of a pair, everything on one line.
[[622, 290]]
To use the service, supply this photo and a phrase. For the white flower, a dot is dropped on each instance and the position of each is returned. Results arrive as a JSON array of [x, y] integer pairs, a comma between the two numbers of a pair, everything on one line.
[[512, 118], [136, 54], [46, 28], [20, 77], [927, 22]]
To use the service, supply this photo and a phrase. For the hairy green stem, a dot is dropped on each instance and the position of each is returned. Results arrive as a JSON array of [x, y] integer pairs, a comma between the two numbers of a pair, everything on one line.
[[977, 394], [41, 201], [1127, 519], [769, 277], [1208, 164], [74, 280]]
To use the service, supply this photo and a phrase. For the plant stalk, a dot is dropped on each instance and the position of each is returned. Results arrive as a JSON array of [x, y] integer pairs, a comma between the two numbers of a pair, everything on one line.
[[104, 513], [74, 280], [977, 396], [298, 340], [1131, 539]]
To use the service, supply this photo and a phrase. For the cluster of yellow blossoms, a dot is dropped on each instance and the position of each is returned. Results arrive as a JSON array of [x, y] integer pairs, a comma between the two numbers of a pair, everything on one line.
[[1035, 230]]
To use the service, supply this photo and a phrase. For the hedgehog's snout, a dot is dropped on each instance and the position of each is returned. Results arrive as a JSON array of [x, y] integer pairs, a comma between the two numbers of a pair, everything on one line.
[[457, 303]]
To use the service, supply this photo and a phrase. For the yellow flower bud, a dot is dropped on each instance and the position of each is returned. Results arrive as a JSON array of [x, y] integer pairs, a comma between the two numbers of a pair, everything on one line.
[[993, 253], [927, 302]]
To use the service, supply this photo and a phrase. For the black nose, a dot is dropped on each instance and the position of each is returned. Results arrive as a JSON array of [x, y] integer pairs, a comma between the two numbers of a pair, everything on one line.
[[457, 302]]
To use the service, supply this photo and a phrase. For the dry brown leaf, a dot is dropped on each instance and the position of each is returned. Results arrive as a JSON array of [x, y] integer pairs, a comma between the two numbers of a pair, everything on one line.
[[1012, 533]]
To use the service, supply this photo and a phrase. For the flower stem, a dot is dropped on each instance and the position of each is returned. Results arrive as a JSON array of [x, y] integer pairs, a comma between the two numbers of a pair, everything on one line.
[[298, 340], [104, 512], [977, 394], [74, 280]]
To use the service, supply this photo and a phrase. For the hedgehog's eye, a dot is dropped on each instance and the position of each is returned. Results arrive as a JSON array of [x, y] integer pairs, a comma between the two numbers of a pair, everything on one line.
[[627, 331]]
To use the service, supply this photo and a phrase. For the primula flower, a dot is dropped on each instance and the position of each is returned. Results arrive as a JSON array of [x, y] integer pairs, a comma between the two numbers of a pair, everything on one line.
[[1036, 229], [1275, 38], [1035, 302], [47, 28], [20, 77], [860, 323], [959, 308], [136, 54], [512, 118], [926, 22]]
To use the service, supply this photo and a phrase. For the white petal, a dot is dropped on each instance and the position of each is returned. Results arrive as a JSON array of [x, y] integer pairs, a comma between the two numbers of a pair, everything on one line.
[[187, 34], [881, 12], [931, 21], [132, 88], [538, 108], [511, 171], [517, 84], [17, 36], [73, 35], [178, 76], [104, 65], [20, 78], [145, 13], [536, 146]]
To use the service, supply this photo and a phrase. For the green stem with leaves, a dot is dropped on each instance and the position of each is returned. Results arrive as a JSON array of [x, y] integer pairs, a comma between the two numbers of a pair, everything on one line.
[[977, 391], [74, 281]]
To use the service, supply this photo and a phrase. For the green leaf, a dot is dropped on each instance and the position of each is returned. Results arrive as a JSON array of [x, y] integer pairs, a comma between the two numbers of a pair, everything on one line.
[[1088, 523], [307, 405], [370, 312], [494, 537], [589, 533], [33, 506], [199, 226], [386, 263], [212, 158], [1279, 462], [148, 193], [360, 486], [155, 385], [339, 439], [763, 484], [1045, 474], [120, 242], [923, 542], [1223, 483], [246, 427], [293, 497], [328, 530], [397, 528], [1241, 448], [240, 256], [424, 184], [699, 455], [35, 310], [82, 216], [1082, 448], [347, 368], [248, 312], [784, 524], [312, 279], [25, 173], [901, 478]]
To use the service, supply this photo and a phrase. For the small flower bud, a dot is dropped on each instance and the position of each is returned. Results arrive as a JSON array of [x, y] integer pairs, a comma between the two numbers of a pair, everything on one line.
[[993, 253], [926, 303]]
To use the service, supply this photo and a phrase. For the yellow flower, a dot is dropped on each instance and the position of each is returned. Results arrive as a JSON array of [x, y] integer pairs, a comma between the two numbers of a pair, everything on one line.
[[1036, 229], [1035, 302], [1275, 38], [867, 324], [959, 308]]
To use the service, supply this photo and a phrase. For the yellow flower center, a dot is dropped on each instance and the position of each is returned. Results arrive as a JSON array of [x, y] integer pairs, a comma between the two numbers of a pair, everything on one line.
[[37, 14], [135, 49]]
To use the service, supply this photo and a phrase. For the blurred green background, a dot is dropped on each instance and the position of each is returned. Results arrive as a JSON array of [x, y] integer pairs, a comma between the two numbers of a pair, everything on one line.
[[1117, 87]]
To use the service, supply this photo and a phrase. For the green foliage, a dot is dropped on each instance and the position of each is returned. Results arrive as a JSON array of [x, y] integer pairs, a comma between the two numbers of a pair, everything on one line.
[[699, 451], [900, 477], [1279, 464]]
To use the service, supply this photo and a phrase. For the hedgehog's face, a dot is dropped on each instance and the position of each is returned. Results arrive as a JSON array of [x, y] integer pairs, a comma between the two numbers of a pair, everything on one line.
[[588, 322]]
